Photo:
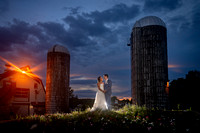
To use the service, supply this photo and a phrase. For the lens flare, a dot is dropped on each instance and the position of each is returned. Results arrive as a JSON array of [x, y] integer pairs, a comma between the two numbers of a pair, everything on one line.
[[28, 73], [39, 67], [23, 72]]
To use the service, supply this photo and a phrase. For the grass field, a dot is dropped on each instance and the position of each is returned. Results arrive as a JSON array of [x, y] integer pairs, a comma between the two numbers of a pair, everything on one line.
[[130, 118]]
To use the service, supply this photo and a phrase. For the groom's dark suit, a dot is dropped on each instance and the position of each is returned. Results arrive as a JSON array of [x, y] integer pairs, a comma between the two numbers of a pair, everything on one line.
[[107, 88]]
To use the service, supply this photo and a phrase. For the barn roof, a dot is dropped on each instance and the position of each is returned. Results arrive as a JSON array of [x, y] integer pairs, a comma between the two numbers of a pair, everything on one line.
[[12, 72]]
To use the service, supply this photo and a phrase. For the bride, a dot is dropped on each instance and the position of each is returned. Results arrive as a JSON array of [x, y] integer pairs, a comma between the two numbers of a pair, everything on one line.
[[100, 100]]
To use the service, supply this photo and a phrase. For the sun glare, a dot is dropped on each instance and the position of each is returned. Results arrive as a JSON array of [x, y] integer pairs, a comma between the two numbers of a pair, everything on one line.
[[20, 70], [23, 72]]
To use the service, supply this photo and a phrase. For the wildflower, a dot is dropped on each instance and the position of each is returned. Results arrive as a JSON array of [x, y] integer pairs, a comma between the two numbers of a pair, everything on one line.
[[151, 124], [149, 128], [33, 126], [172, 123], [138, 117], [187, 130]]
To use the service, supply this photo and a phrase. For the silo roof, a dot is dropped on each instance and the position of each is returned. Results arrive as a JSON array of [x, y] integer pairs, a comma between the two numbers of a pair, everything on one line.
[[59, 48], [149, 20]]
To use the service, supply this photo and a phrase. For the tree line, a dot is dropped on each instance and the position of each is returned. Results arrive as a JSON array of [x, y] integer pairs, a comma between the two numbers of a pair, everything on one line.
[[184, 92]]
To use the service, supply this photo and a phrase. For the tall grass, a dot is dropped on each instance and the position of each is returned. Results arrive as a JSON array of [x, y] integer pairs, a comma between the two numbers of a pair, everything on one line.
[[130, 118], [133, 110]]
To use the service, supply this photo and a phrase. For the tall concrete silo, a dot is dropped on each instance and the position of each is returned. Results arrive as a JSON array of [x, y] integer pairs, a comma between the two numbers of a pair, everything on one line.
[[57, 80], [149, 62]]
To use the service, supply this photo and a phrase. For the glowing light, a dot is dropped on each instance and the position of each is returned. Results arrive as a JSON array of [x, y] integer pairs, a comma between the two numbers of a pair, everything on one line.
[[168, 84], [17, 68], [23, 72], [39, 67], [26, 71], [167, 87]]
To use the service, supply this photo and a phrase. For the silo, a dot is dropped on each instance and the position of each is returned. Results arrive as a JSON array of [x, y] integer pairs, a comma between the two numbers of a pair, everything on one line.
[[57, 80], [149, 62]]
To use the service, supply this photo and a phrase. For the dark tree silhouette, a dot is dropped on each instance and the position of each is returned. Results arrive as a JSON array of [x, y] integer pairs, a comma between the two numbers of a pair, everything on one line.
[[184, 92], [73, 100]]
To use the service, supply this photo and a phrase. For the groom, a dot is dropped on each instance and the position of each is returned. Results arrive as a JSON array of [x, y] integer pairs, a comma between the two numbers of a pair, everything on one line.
[[107, 90]]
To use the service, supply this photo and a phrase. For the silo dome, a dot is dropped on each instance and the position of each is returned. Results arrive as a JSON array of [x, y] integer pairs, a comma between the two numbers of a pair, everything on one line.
[[149, 20], [58, 48]]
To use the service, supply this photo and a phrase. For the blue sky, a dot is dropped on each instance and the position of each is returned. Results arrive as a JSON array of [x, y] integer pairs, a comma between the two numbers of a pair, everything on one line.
[[96, 33]]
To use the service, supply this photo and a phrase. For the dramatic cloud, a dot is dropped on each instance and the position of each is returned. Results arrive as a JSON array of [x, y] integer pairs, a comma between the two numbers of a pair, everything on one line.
[[183, 40], [96, 37], [161, 5], [92, 34], [24, 44], [87, 39], [117, 13], [72, 10], [20, 33]]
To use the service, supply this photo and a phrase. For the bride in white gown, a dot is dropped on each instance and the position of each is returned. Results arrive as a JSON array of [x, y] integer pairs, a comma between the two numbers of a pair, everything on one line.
[[100, 100]]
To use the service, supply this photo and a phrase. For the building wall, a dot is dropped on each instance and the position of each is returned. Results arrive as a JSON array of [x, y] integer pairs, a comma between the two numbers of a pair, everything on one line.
[[22, 96], [149, 66]]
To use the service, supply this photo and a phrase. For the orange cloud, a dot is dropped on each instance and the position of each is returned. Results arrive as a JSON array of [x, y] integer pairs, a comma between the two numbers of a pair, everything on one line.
[[125, 98], [74, 75], [173, 66]]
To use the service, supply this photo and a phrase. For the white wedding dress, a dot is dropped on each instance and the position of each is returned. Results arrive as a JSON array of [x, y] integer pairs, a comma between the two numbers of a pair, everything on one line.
[[100, 100]]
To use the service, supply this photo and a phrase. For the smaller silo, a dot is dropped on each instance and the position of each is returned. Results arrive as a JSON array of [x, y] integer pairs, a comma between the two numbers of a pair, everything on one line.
[[57, 80]]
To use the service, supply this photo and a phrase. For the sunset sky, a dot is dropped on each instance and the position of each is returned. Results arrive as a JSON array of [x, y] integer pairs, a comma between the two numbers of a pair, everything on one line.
[[96, 33]]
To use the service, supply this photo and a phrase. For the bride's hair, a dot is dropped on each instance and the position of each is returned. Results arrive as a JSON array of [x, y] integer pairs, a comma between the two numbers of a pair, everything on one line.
[[98, 79]]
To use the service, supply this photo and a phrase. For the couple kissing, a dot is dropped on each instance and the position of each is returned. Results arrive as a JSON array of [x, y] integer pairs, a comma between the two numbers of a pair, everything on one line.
[[103, 95]]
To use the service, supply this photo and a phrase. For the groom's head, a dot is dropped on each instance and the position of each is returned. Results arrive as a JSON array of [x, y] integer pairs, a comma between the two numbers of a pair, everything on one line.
[[105, 76]]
